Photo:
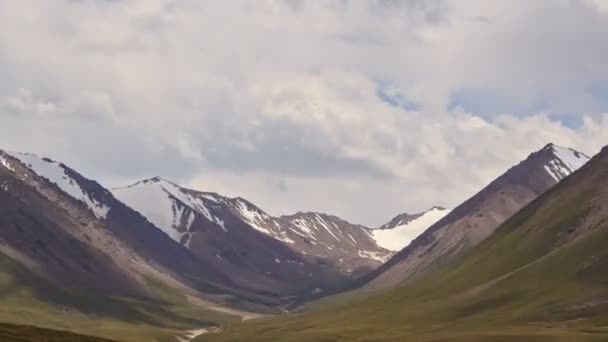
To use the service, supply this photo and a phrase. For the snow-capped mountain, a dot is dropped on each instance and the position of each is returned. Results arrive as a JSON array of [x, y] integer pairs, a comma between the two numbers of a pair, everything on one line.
[[71, 230], [478, 217], [169, 207], [212, 227], [400, 231], [241, 262], [175, 209]]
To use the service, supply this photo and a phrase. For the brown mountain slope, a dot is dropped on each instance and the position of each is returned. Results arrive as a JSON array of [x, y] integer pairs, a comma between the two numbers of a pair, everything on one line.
[[478, 217], [227, 259], [76, 234], [294, 255]]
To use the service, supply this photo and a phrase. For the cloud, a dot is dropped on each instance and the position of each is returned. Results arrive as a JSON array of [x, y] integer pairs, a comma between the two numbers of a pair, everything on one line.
[[359, 108]]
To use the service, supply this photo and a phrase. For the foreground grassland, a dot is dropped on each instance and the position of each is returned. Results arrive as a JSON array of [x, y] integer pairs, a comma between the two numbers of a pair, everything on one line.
[[536, 279], [28, 299], [21, 333]]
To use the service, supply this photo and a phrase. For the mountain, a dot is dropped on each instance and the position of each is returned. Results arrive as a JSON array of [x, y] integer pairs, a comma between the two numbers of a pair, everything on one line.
[[227, 230], [71, 254], [61, 236], [541, 276], [478, 217], [401, 230], [350, 247], [241, 262], [213, 228]]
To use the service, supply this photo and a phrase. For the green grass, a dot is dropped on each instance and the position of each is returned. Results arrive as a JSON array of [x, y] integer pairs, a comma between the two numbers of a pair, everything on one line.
[[28, 299], [531, 281], [23, 333]]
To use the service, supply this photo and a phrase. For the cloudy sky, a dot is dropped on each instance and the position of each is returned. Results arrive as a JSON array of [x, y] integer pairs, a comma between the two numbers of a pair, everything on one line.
[[362, 109]]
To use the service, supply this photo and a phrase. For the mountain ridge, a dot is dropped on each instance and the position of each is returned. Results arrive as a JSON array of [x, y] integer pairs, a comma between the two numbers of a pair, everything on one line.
[[477, 217], [305, 232], [180, 267], [540, 277]]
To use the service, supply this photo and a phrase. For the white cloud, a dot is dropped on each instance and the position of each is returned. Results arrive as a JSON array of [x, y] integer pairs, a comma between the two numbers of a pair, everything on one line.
[[278, 101]]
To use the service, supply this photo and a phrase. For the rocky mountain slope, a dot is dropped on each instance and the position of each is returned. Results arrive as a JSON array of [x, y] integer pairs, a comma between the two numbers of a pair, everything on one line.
[[62, 263], [478, 217], [232, 246], [212, 227], [59, 235], [223, 228], [76, 232], [540, 277]]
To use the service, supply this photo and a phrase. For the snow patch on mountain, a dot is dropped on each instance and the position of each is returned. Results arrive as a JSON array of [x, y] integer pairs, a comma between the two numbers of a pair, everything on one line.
[[566, 161], [165, 205], [253, 217], [56, 173], [154, 202], [321, 235], [382, 257], [324, 224], [6, 163], [397, 238], [194, 202]]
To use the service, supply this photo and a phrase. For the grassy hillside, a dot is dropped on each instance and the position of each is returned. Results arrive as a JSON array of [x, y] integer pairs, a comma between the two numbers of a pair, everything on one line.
[[542, 277], [28, 299], [22, 333]]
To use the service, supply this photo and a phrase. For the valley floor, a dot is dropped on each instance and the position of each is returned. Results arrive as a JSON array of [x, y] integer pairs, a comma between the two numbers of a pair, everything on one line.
[[279, 330]]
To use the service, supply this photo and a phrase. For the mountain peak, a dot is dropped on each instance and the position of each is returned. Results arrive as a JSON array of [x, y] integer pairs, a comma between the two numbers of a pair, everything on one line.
[[549, 146], [404, 228], [550, 164], [156, 179], [562, 161], [151, 180], [556, 149], [405, 217]]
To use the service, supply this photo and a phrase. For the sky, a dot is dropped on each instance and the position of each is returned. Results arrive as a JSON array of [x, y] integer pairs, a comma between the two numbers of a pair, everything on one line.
[[363, 109]]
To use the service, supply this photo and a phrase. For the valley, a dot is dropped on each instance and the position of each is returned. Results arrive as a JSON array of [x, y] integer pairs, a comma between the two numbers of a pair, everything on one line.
[[539, 277], [254, 298], [303, 171]]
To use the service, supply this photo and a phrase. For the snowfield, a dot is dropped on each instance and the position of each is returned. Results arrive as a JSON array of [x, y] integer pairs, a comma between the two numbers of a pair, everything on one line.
[[566, 162], [397, 238]]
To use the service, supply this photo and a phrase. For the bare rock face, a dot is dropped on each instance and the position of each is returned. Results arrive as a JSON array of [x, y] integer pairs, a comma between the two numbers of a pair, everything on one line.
[[478, 217]]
